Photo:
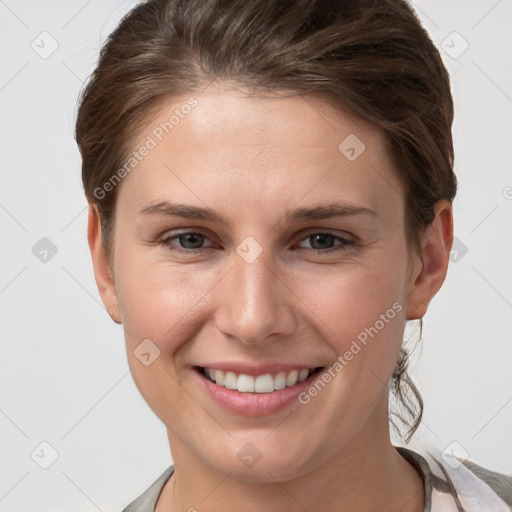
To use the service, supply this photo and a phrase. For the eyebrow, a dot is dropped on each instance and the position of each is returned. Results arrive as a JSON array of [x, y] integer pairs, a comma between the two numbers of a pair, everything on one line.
[[324, 211]]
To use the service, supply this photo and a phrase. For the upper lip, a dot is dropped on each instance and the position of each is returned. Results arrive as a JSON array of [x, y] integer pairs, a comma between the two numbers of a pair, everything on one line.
[[256, 369]]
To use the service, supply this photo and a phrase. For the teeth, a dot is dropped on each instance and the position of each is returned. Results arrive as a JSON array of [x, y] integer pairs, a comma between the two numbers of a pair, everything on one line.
[[219, 377], [230, 380], [245, 383], [303, 374], [280, 381], [264, 384], [261, 384], [291, 379]]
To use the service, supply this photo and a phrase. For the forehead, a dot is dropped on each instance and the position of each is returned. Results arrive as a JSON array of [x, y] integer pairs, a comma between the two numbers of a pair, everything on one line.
[[222, 142]]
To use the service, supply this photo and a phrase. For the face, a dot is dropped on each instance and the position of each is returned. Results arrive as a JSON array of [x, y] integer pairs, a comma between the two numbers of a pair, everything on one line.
[[263, 280]]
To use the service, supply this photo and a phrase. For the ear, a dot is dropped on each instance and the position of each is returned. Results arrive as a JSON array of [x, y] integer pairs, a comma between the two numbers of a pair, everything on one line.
[[429, 270], [102, 271]]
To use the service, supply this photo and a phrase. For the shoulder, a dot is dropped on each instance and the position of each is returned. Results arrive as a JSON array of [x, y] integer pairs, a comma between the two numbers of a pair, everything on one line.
[[500, 483], [462, 485], [147, 500]]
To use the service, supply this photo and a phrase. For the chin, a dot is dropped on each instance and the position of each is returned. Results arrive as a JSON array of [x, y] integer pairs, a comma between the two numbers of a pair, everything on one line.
[[265, 460]]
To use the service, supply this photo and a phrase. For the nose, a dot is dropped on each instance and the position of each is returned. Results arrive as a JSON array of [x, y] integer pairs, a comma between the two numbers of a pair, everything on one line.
[[255, 304]]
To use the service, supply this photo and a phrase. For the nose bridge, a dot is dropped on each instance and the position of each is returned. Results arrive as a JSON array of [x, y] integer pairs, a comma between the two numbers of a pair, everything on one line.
[[253, 304]]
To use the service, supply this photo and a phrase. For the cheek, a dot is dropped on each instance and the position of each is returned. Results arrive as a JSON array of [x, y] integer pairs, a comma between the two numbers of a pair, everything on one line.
[[340, 306], [361, 312], [160, 301], [169, 303], [353, 299], [162, 298]]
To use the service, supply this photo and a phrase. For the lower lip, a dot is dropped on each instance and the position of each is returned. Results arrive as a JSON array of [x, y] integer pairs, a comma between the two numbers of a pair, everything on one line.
[[255, 404]]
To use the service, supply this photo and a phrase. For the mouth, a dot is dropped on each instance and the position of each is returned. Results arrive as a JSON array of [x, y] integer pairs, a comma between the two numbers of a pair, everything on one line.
[[269, 382]]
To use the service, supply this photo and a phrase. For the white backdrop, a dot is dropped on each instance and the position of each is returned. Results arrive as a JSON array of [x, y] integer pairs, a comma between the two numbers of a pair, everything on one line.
[[64, 377]]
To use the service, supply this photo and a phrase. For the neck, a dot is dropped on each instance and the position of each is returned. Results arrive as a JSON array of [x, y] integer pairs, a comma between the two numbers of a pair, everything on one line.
[[365, 474]]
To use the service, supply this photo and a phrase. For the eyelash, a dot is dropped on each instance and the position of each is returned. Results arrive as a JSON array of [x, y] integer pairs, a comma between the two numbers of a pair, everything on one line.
[[166, 242]]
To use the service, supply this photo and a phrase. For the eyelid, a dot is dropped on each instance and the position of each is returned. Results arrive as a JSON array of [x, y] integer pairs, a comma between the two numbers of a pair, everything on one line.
[[167, 237], [346, 241], [326, 231], [303, 234]]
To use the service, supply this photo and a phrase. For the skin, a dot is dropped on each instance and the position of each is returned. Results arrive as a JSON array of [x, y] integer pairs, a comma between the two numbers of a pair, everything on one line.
[[252, 160]]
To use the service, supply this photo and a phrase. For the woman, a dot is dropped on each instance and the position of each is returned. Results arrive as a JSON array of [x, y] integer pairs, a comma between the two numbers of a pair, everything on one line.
[[270, 188]]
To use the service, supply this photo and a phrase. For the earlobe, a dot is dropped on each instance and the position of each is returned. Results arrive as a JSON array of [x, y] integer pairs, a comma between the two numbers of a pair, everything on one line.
[[101, 264], [430, 273]]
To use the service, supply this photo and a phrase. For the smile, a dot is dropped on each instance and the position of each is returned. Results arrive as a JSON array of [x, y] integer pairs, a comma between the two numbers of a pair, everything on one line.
[[264, 383]]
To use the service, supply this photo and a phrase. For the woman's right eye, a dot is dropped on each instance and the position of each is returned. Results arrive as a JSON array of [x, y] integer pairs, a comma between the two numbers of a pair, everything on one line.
[[189, 241]]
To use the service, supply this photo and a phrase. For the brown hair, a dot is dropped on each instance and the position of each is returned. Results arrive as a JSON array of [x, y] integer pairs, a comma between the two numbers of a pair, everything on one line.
[[370, 57]]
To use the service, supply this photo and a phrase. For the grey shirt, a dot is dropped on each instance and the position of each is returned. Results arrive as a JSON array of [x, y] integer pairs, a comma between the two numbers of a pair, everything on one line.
[[440, 495]]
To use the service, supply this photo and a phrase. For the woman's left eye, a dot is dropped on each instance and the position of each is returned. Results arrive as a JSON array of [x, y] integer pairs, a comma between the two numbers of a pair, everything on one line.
[[192, 242], [322, 239]]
